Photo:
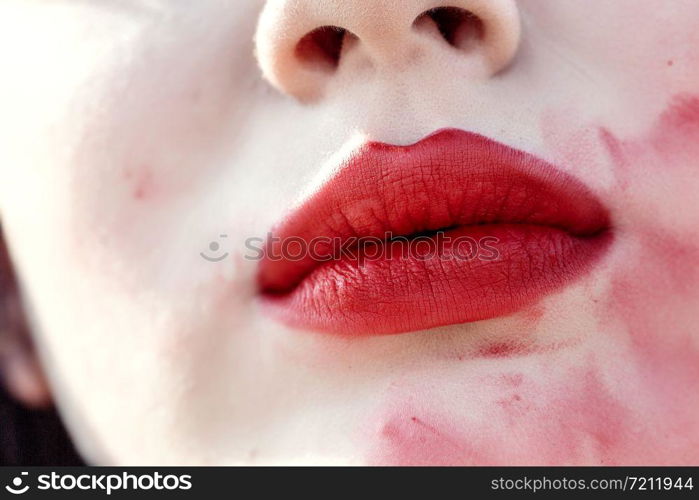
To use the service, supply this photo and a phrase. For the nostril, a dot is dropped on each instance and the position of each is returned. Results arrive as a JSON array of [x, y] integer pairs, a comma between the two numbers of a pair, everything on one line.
[[306, 47], [321, 48], [458, 27]]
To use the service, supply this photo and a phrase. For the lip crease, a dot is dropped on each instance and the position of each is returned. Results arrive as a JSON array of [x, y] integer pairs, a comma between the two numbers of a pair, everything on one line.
[[547, 227]]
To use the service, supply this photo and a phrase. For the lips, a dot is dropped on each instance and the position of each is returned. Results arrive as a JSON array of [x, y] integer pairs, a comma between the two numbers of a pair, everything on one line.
[[453, 229]]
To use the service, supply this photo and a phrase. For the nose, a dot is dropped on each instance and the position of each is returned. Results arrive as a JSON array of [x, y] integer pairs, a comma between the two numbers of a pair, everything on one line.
[[303, 46]]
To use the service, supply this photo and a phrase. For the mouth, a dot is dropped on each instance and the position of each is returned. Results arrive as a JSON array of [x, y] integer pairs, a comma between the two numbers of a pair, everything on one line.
[[452, 229]]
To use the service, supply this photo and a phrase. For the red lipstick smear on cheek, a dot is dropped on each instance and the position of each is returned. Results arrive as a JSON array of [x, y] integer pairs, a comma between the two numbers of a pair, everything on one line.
[[505, 349], [663, 279], [655, 295], [409, 434], [412, 439], [670, 146]]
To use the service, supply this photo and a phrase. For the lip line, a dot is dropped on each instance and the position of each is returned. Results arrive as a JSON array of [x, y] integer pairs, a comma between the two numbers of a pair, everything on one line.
[[452, 180], [603, 226], [431, 233]]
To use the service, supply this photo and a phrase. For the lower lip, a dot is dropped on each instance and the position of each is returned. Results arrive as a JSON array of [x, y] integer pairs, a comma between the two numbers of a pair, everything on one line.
[[399, 289]]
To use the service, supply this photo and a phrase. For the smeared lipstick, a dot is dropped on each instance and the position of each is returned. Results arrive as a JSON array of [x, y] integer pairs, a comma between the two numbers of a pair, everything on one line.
[[547, 228]]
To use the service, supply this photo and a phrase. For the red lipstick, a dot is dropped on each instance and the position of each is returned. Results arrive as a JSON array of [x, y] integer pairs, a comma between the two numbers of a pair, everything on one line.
[[497, 228]]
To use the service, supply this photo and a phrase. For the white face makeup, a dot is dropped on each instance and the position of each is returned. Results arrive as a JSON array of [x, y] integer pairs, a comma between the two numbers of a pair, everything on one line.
[[142, 144]]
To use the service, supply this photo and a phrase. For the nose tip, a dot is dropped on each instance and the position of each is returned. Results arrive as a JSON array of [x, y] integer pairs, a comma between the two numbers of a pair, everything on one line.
[[302, 45]]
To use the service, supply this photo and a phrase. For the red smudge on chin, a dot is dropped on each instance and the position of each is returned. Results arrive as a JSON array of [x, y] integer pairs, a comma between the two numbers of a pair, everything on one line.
[[514, 421], [505, 349], [409, 437], [524, 343]]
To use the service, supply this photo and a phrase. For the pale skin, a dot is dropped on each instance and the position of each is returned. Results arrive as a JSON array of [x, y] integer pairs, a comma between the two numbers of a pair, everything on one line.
[[136, 132]]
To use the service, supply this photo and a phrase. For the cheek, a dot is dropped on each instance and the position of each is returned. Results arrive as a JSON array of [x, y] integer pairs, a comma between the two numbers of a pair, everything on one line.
[[140, 186], [655, 294], [147, 139], [141, 182]]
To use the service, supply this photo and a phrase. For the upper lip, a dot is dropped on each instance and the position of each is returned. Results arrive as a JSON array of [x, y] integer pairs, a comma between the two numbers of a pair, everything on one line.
[[448, 180]]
